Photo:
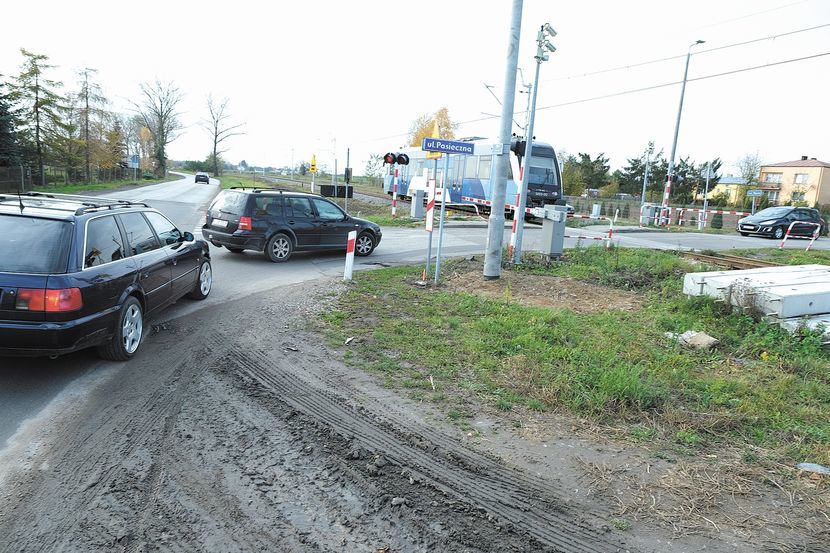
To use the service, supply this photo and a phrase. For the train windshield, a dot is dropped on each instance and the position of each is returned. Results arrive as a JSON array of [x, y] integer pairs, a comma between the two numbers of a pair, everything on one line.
[[542, 171]]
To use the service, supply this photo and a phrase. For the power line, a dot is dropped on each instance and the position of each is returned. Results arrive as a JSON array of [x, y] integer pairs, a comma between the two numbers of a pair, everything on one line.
[[660, 60], [634, 90], [747, 16]]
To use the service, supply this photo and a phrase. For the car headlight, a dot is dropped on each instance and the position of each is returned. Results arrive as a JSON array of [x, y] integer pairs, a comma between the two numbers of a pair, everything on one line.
[[770, 222]]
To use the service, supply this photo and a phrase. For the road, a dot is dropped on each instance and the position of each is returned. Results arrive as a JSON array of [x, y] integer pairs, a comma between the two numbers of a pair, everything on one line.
[[35, 393]]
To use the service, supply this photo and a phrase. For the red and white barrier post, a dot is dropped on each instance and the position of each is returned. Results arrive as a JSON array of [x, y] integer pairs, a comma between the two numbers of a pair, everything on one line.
[[430, 218], [347, 273], [395, 195], [790, 228]]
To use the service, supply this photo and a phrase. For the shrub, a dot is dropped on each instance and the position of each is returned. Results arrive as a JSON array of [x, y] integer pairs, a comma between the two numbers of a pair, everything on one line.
[[717, 220]]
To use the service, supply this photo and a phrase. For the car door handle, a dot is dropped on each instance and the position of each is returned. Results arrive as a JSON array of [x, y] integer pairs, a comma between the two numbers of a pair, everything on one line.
[[291, 222]]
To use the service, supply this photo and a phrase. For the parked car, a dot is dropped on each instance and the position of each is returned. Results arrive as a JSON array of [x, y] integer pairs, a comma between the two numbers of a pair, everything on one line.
[[773, 222], [624, 196], [94, 269], [280, 222], [202, 177]]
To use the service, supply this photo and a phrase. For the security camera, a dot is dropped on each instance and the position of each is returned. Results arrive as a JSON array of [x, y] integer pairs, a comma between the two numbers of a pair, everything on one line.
[[549, 47], [549, 30]]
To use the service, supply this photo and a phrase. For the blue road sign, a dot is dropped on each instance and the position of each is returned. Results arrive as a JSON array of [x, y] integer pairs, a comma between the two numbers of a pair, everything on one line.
[[447, 146], [133, 162], [754, 193]]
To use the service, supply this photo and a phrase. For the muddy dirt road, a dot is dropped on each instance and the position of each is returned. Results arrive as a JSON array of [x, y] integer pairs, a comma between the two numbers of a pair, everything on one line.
[[252, 438]]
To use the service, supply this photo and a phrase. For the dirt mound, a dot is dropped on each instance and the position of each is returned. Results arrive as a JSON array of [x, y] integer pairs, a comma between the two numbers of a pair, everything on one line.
[[545, 291]]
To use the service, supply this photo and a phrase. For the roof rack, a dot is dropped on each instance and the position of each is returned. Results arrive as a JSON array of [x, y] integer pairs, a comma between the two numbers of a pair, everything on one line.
[[88, 203], [257, 189]]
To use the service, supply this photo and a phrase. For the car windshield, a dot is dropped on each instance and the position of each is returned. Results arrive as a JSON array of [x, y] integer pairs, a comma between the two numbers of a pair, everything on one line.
[[773, 212], [230, 202], [45, 241]]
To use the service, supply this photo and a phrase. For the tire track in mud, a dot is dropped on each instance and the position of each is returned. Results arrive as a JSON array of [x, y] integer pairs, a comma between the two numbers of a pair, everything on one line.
[[527, 503]]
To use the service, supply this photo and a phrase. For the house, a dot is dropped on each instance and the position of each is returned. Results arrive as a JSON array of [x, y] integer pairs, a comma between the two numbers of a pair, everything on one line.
[[805, 181], [727, 186]]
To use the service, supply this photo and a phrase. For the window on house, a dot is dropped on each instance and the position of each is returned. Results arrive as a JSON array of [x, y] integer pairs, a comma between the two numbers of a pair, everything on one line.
[[772, 178], [772, 195], [798, 196], [800, 178]]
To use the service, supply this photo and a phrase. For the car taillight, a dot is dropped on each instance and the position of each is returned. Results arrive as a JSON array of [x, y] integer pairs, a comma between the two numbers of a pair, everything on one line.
[[245, 223], [51, 301]]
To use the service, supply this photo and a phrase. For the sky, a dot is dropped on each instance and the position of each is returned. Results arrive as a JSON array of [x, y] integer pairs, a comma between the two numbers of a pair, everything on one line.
[[318, 77]]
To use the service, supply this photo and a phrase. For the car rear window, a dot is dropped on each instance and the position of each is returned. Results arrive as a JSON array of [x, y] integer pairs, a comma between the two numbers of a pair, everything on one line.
[[44, 241], [230, 202]]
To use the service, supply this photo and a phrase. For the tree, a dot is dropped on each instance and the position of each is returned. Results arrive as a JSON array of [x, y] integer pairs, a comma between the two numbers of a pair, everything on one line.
[[593, 172], [423, 125], [65, 142], [114, 148], [374, 166], [39, 104], [158, 110], [243, 165], [749, 167], [92, 103], [219, 129], [9, 148]]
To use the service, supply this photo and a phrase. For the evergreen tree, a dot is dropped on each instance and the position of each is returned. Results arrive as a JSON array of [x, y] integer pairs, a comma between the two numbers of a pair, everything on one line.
[[9, 148]]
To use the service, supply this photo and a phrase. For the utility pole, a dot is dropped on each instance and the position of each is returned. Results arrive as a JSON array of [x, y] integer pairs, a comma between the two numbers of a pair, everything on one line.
[[670, 172], [495, 227], [701, 221], [542, 46], [346, 195]]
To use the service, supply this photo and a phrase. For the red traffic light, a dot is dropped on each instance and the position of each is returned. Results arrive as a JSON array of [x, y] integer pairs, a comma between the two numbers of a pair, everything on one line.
[[389, 158], [403, 159]]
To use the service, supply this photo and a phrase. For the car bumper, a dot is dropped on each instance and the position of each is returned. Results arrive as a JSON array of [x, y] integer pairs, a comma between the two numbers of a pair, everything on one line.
[[756, 229], [234, 240], [36, 339]]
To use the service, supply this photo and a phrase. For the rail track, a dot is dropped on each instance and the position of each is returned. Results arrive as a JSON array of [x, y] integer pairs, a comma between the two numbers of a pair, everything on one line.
[[731, 261]]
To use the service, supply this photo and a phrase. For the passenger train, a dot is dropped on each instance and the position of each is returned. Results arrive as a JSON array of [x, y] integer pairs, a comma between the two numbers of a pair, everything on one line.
[[470, 176]]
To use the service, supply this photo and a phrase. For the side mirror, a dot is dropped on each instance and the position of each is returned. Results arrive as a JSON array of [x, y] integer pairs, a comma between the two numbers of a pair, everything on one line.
[[188, 237]]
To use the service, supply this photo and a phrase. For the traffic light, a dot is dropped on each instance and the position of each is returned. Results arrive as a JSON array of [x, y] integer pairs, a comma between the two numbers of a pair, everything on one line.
[[402, 159], [389, 158], [518, 146]]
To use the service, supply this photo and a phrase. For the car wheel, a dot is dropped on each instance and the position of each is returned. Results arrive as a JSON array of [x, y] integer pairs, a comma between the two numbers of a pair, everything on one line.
[[279, 248], [744, 234], [204, 283], [128, 333], [365, 244], [778, 233], [236, 250]]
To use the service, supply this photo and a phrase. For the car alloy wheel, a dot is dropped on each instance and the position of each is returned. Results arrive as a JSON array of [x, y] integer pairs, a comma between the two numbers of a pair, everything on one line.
[[364, 244], [132, 327], [779, 233], [281, 247], [205, 279]]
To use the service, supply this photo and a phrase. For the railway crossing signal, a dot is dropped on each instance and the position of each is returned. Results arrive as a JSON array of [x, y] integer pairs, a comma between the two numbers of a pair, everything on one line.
[[391, 159]]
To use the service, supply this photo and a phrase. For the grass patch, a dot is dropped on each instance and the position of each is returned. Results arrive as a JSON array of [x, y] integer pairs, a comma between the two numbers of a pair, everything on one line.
[[760, 387], [79, 188], [789, 256]]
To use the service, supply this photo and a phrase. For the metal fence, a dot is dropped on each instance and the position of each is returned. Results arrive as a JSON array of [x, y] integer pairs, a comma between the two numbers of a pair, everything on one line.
[[17, 178], [25, 178]]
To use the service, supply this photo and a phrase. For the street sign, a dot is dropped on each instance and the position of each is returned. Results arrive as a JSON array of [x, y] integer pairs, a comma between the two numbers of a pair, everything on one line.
[[754, 193], [133, 163], [313, 167], [447, 146]]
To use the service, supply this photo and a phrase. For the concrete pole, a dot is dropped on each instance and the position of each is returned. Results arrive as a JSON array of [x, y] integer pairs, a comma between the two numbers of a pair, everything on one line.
[[705, 216], [670, 172], [520, 209], [645, 174], [346, 195], [495, 227]]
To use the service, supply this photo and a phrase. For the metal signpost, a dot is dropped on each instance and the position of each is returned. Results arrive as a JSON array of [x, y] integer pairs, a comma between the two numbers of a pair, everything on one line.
[[133, 164], [446, 147], [701, 222], [756, 193]]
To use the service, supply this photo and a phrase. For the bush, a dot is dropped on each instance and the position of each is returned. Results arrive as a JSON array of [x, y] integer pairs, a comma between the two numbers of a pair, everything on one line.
[[717, 220], [626, 211]]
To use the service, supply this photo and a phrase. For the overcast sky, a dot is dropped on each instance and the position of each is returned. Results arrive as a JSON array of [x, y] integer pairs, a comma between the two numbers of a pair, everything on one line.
[[302, 75]]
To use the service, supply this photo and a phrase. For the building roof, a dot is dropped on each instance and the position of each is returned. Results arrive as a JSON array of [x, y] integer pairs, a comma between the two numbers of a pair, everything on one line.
[[803, 162], [729, 179]]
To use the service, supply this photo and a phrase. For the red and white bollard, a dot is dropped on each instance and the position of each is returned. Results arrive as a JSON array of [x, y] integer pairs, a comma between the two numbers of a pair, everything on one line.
[[790, 228], [347, 274], [395, 195]]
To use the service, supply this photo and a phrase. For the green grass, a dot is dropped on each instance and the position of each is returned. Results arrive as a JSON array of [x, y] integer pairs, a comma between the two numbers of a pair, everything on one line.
[[78, 188], [792, 254], [761, 387]]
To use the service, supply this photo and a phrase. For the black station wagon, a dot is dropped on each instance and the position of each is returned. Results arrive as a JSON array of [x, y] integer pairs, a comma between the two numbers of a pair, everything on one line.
[[78, 271], [279, 222]]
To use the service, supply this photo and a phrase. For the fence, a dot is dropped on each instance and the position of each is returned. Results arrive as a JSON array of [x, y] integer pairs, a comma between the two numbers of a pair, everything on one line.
[[25, 178], [13, 179]]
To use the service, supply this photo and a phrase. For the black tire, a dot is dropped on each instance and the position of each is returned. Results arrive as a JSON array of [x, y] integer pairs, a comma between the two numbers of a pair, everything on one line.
[[204, 282], [744, 234], [128, 333], [279, 248], [778, 233], [365, 244], [236, 250]]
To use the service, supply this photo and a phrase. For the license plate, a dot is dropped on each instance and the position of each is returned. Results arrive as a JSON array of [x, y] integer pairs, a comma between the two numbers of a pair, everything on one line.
[[221, 223]]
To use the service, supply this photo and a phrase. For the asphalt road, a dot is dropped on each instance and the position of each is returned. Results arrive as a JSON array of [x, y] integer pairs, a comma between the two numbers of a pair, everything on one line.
[[27, 386]]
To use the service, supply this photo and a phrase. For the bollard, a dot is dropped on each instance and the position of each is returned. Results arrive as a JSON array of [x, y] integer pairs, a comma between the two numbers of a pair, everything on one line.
[[347, 273]]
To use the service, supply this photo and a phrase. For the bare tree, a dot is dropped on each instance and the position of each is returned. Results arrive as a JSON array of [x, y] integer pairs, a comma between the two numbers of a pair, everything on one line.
[[750, 168], [219, 128], [158, 110]]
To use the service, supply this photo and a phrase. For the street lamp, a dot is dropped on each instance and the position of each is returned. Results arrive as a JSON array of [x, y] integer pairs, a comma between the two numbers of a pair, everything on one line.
[[543, 47], [670, 172]]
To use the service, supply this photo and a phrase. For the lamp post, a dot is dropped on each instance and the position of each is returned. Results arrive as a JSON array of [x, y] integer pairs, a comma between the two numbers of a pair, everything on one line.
[[649, 151], [543, 46], [670, 172]]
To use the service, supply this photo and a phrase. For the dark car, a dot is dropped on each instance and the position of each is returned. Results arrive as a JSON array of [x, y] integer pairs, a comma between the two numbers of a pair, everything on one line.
[[202, 177], [280, 222], [773, 222], [77, 272]]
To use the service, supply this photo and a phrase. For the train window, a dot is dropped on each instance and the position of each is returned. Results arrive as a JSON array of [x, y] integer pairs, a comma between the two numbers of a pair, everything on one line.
[[484, 167], [471, 163], [419, 167]]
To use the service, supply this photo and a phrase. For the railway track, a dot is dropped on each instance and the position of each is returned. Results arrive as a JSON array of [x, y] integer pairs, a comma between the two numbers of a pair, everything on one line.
[[731, 261]]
